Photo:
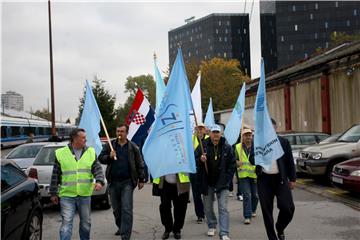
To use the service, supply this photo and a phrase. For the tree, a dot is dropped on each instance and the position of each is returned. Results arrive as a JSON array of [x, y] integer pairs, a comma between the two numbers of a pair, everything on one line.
[[147, 85], [220, 79], [338, 38], [43, 113], [106, 103]]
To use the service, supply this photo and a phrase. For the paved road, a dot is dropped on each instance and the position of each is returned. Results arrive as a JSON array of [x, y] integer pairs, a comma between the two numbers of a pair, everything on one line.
[[316, 217]]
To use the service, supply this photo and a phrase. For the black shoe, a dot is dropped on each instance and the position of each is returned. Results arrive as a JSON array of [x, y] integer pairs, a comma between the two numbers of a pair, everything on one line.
[[165, 235], [200, 220], [117, 233], [281, 236], [177, 235]]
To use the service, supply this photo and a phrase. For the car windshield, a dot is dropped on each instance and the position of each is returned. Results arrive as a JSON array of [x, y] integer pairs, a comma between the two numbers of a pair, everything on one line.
[[46, 156], [351, 135], [330, 139], [25, 151]]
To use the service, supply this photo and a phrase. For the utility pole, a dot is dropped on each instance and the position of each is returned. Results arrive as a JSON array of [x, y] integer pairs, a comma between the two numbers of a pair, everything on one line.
[[53, 131]]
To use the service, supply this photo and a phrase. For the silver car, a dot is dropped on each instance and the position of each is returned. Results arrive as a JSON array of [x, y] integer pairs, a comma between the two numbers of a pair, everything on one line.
[[43, 165], [24, 155]]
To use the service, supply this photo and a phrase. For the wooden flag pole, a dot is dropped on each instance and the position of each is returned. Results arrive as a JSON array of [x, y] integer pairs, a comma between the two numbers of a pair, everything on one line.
[[107, 136]]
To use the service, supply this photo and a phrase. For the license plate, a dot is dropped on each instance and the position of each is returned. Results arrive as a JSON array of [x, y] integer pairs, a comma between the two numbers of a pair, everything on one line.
[[301, 164], [337, 180]]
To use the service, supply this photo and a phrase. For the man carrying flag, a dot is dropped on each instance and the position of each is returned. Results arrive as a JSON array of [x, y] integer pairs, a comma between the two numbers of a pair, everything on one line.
[[275, 167]]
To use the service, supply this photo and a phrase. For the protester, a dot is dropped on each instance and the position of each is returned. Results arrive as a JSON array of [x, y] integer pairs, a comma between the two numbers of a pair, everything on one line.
[[198, 203], [124, 172], [74, 171], [215, 169], [277, 182], [247, 176]]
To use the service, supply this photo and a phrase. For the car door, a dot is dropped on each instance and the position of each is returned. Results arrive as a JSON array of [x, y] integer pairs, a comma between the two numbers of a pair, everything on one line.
[[15, 202]]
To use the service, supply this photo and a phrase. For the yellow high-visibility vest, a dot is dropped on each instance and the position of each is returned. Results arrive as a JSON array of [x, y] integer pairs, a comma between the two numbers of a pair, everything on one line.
[[195, 140], [246, 169], [183, 178], [76, 178]]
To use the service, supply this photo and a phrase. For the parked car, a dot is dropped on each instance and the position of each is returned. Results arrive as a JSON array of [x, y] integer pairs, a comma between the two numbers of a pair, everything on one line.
[[300, 140], [24, 155], [42, 169], [330, 139], [319, 160], [346, 175], [21, 212]]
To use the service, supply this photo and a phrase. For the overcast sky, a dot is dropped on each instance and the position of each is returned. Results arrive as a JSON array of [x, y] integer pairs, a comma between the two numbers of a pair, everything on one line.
[[113, 40]]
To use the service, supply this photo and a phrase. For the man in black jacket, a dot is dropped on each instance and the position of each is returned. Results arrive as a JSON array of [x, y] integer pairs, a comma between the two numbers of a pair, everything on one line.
[[278, 181], [220, 161], [124, 172]]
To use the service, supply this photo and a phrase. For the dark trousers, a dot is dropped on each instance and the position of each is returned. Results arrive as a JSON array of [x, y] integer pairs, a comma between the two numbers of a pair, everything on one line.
[[198, 203], [270, 186], [169, 194], [121, 195]]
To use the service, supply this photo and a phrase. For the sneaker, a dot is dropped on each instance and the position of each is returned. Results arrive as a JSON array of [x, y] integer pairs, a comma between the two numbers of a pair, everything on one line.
[[240, 197], [200, 220], [225, 237], [231, 194], [165, 235], [177, 235], [247, 221], [211, 232], [253, 215]]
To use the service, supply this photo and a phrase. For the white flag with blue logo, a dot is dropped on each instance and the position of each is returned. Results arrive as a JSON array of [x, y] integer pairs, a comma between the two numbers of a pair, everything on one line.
[[168, 149], [209, 118], [233, 126], [267, 147], [160, 86]]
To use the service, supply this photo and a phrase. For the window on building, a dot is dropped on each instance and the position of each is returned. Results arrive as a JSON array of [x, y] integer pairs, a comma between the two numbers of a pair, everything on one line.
[[187, 32], [291, 47], [348, 23], [208, 40], [196, 29], [170, 46], [228, 23], [355, 12], [199, 28], [282, 38], [244, 30], [326, 44], [336, 4], [211, 48], [316, 36], [191, 39], [216, 31], [326, 25], [205, 57], [294, 8], [239, 31], [225, 39], [189, 54], [305, 55], [197, 52], [226, 31], [219, 54], [220, 39], [175, 37], [316, 6], [311, 16], [296, 27], [224, 54]]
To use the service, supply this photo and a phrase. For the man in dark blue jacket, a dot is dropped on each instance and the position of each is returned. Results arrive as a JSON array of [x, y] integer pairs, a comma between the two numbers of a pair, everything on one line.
[[278, 181], [215, 169]]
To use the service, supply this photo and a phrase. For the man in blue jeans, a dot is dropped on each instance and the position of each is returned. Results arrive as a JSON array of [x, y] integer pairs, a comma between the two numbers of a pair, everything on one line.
[[75, 168], [215, 169], [124, 172]]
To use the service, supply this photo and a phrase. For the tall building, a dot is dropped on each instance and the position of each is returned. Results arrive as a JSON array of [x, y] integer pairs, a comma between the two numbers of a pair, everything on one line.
[[292, 30], [216, 35], [12, 100]]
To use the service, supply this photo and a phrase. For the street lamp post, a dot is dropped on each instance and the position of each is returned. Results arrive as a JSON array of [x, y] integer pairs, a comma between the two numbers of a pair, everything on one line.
[[53, 131]]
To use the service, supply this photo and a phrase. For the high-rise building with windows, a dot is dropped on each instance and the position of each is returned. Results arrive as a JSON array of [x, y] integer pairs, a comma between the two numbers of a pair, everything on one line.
[[293, 30], [216, 35], [12, 100]]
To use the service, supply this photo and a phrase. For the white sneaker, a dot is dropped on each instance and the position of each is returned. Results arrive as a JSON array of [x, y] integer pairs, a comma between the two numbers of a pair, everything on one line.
[[225, 237], [247, 221], [231, 194], [240, 197], [211, 232], [253, 215]]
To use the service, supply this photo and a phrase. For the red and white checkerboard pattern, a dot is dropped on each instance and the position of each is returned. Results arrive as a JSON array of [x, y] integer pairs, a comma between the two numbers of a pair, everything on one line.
[[139, 119]]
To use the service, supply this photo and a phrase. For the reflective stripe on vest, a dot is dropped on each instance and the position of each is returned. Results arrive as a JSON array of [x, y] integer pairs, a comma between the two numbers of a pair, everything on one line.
[[183, 178], [246, 169], [195, 140], [76, 177]]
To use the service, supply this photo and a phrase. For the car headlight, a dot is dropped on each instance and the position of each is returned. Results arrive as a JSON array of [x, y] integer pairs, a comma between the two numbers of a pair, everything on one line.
[[315, 156], [355, 173]]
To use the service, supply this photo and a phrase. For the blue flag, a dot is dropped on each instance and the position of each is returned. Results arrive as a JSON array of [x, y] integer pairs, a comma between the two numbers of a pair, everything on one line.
[[209, 118], [233, 127], [90, 120], [267, 147], [168, 149], [160, 87]]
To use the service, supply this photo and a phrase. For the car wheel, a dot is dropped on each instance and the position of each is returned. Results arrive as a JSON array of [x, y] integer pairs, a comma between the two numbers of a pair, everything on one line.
[[104, 201], [34, 227]]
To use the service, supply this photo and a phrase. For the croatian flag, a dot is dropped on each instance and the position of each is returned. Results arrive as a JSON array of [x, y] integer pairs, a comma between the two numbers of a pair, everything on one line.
[[140, 118]]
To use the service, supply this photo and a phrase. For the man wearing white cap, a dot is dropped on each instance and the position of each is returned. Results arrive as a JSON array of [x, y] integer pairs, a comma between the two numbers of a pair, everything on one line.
[[215, 169]]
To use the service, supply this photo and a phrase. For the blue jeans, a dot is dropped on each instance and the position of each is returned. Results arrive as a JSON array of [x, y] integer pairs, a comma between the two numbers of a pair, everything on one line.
[[68, 207], [222, 199], [250, 195], [121, 195]]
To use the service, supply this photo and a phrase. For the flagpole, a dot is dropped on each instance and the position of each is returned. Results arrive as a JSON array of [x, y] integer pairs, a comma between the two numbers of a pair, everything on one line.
[[196, 125], [107, 136]]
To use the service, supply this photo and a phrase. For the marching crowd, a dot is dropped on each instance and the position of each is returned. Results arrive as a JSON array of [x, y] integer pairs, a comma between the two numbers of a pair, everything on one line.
[[77, 172]]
